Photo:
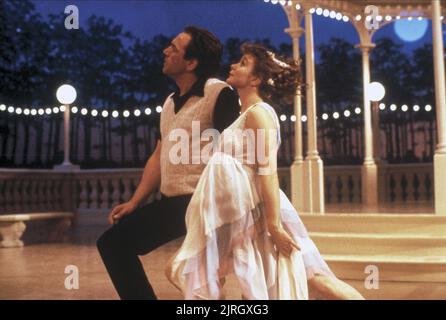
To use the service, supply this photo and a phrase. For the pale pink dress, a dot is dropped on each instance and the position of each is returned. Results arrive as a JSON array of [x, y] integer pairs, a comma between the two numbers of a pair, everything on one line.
[[226, 233]]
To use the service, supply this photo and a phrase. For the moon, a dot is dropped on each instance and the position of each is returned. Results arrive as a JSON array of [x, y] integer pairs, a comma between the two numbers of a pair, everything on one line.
[[410, 31]]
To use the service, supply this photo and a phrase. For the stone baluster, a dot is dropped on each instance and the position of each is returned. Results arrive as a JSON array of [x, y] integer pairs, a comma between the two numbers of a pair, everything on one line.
[[83, 197], [41, 195], [350, 188], [16, 196], [94, 204], [9, 185], [127, 192], [104, 193], [410, 187], [50, 191], [346, 193], [328, 188], [346, 190], [398, 187], [404, 194], [339, 186], [427, 185], [56, 198], [416, 187], [391, 183], [34, 194], [116, 191], [48, 195], [358, 194], [26, 196]]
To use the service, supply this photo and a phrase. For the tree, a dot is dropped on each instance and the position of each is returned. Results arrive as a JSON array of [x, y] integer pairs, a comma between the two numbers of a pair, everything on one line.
[[338, 82]]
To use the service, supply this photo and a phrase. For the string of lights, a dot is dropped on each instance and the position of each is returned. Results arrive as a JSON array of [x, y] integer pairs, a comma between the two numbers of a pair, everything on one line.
[[341, 17], [94, 112]]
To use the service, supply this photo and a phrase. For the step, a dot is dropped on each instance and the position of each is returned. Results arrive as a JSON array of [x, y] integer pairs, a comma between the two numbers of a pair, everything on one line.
[[399, 277], [376, 223], [379, 244], [394, 290], [390, 268]]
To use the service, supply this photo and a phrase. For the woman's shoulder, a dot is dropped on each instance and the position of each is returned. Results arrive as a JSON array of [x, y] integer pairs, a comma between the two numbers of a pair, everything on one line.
[[264, 108], [261, 115]]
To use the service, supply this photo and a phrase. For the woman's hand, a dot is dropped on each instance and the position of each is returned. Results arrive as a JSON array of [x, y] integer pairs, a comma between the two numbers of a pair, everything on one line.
[[284, 243]]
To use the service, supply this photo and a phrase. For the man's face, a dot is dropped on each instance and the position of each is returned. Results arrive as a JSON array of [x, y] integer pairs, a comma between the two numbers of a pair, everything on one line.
[[174, 62]]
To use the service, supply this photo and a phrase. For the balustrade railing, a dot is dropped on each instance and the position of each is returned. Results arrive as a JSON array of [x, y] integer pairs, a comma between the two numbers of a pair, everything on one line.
[[26, 190]]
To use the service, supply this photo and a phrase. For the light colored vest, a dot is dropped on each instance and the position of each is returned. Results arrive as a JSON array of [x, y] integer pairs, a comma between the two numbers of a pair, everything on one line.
[[182, 178]]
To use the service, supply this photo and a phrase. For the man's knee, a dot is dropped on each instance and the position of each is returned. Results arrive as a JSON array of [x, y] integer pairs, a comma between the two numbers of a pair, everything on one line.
[[106, 240]]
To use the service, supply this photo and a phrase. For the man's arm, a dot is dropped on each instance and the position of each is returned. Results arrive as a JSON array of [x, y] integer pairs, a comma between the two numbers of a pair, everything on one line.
[[151, 177], [150, 181]]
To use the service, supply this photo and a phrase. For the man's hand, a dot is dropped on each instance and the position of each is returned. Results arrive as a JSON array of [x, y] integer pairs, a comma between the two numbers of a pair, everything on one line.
[[121, 210]]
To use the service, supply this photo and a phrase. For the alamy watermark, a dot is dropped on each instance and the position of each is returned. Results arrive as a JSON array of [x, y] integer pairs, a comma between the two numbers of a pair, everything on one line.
[[72, 280], [248, 146], [372, 13], [72, 20], [372, 280]]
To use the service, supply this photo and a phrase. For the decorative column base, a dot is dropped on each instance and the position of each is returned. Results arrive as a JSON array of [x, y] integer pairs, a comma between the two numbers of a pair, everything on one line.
[[298, 194], [314, 184], [369, 184], [440, 183]]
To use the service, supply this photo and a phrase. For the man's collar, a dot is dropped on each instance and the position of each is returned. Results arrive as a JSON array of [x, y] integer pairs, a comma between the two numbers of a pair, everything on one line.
[[197, 89]]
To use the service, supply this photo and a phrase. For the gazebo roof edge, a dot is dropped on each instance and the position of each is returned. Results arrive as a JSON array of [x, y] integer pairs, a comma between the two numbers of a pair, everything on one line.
[[392, 7]]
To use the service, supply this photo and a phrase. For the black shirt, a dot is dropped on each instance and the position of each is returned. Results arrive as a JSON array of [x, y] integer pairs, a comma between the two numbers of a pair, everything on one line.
[[227, 107]]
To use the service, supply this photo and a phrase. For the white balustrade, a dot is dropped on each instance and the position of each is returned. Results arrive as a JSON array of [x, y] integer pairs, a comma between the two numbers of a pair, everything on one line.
[[101, 189]]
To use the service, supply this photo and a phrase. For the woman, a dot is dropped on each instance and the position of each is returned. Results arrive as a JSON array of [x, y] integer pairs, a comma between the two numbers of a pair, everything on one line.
[[238, 219]]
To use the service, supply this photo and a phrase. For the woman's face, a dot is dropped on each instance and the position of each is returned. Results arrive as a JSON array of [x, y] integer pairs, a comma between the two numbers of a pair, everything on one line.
[[241, 74]]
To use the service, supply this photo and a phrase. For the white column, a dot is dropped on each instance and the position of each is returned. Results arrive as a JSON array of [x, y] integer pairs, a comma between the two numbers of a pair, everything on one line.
[[369, 170], [66, 165], [66, 136], [314, 169], [440, 105], [298, 197], [376, 133]]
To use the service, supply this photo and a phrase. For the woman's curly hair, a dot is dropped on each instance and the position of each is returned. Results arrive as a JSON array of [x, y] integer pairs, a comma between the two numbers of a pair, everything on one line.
[[281, 77]]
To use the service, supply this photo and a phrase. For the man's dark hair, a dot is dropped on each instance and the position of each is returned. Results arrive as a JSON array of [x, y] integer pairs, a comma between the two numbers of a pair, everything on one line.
[[206, 48]]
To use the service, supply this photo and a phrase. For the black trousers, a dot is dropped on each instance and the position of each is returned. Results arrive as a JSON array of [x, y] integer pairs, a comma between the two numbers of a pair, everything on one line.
[[136, 234]]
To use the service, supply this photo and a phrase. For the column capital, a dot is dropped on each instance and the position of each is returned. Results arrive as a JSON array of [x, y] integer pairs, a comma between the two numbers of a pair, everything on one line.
[[295, 32], [365, 47]]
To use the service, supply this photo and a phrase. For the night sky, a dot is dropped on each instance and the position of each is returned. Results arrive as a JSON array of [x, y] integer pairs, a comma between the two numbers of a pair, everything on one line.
[[252, 19]]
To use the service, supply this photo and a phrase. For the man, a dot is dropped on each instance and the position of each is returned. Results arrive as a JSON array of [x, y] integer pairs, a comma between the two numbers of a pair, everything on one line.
[[191, 59]]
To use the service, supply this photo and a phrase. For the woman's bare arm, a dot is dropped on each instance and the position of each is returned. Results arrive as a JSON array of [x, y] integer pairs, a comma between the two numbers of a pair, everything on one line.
[[259, 119]]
